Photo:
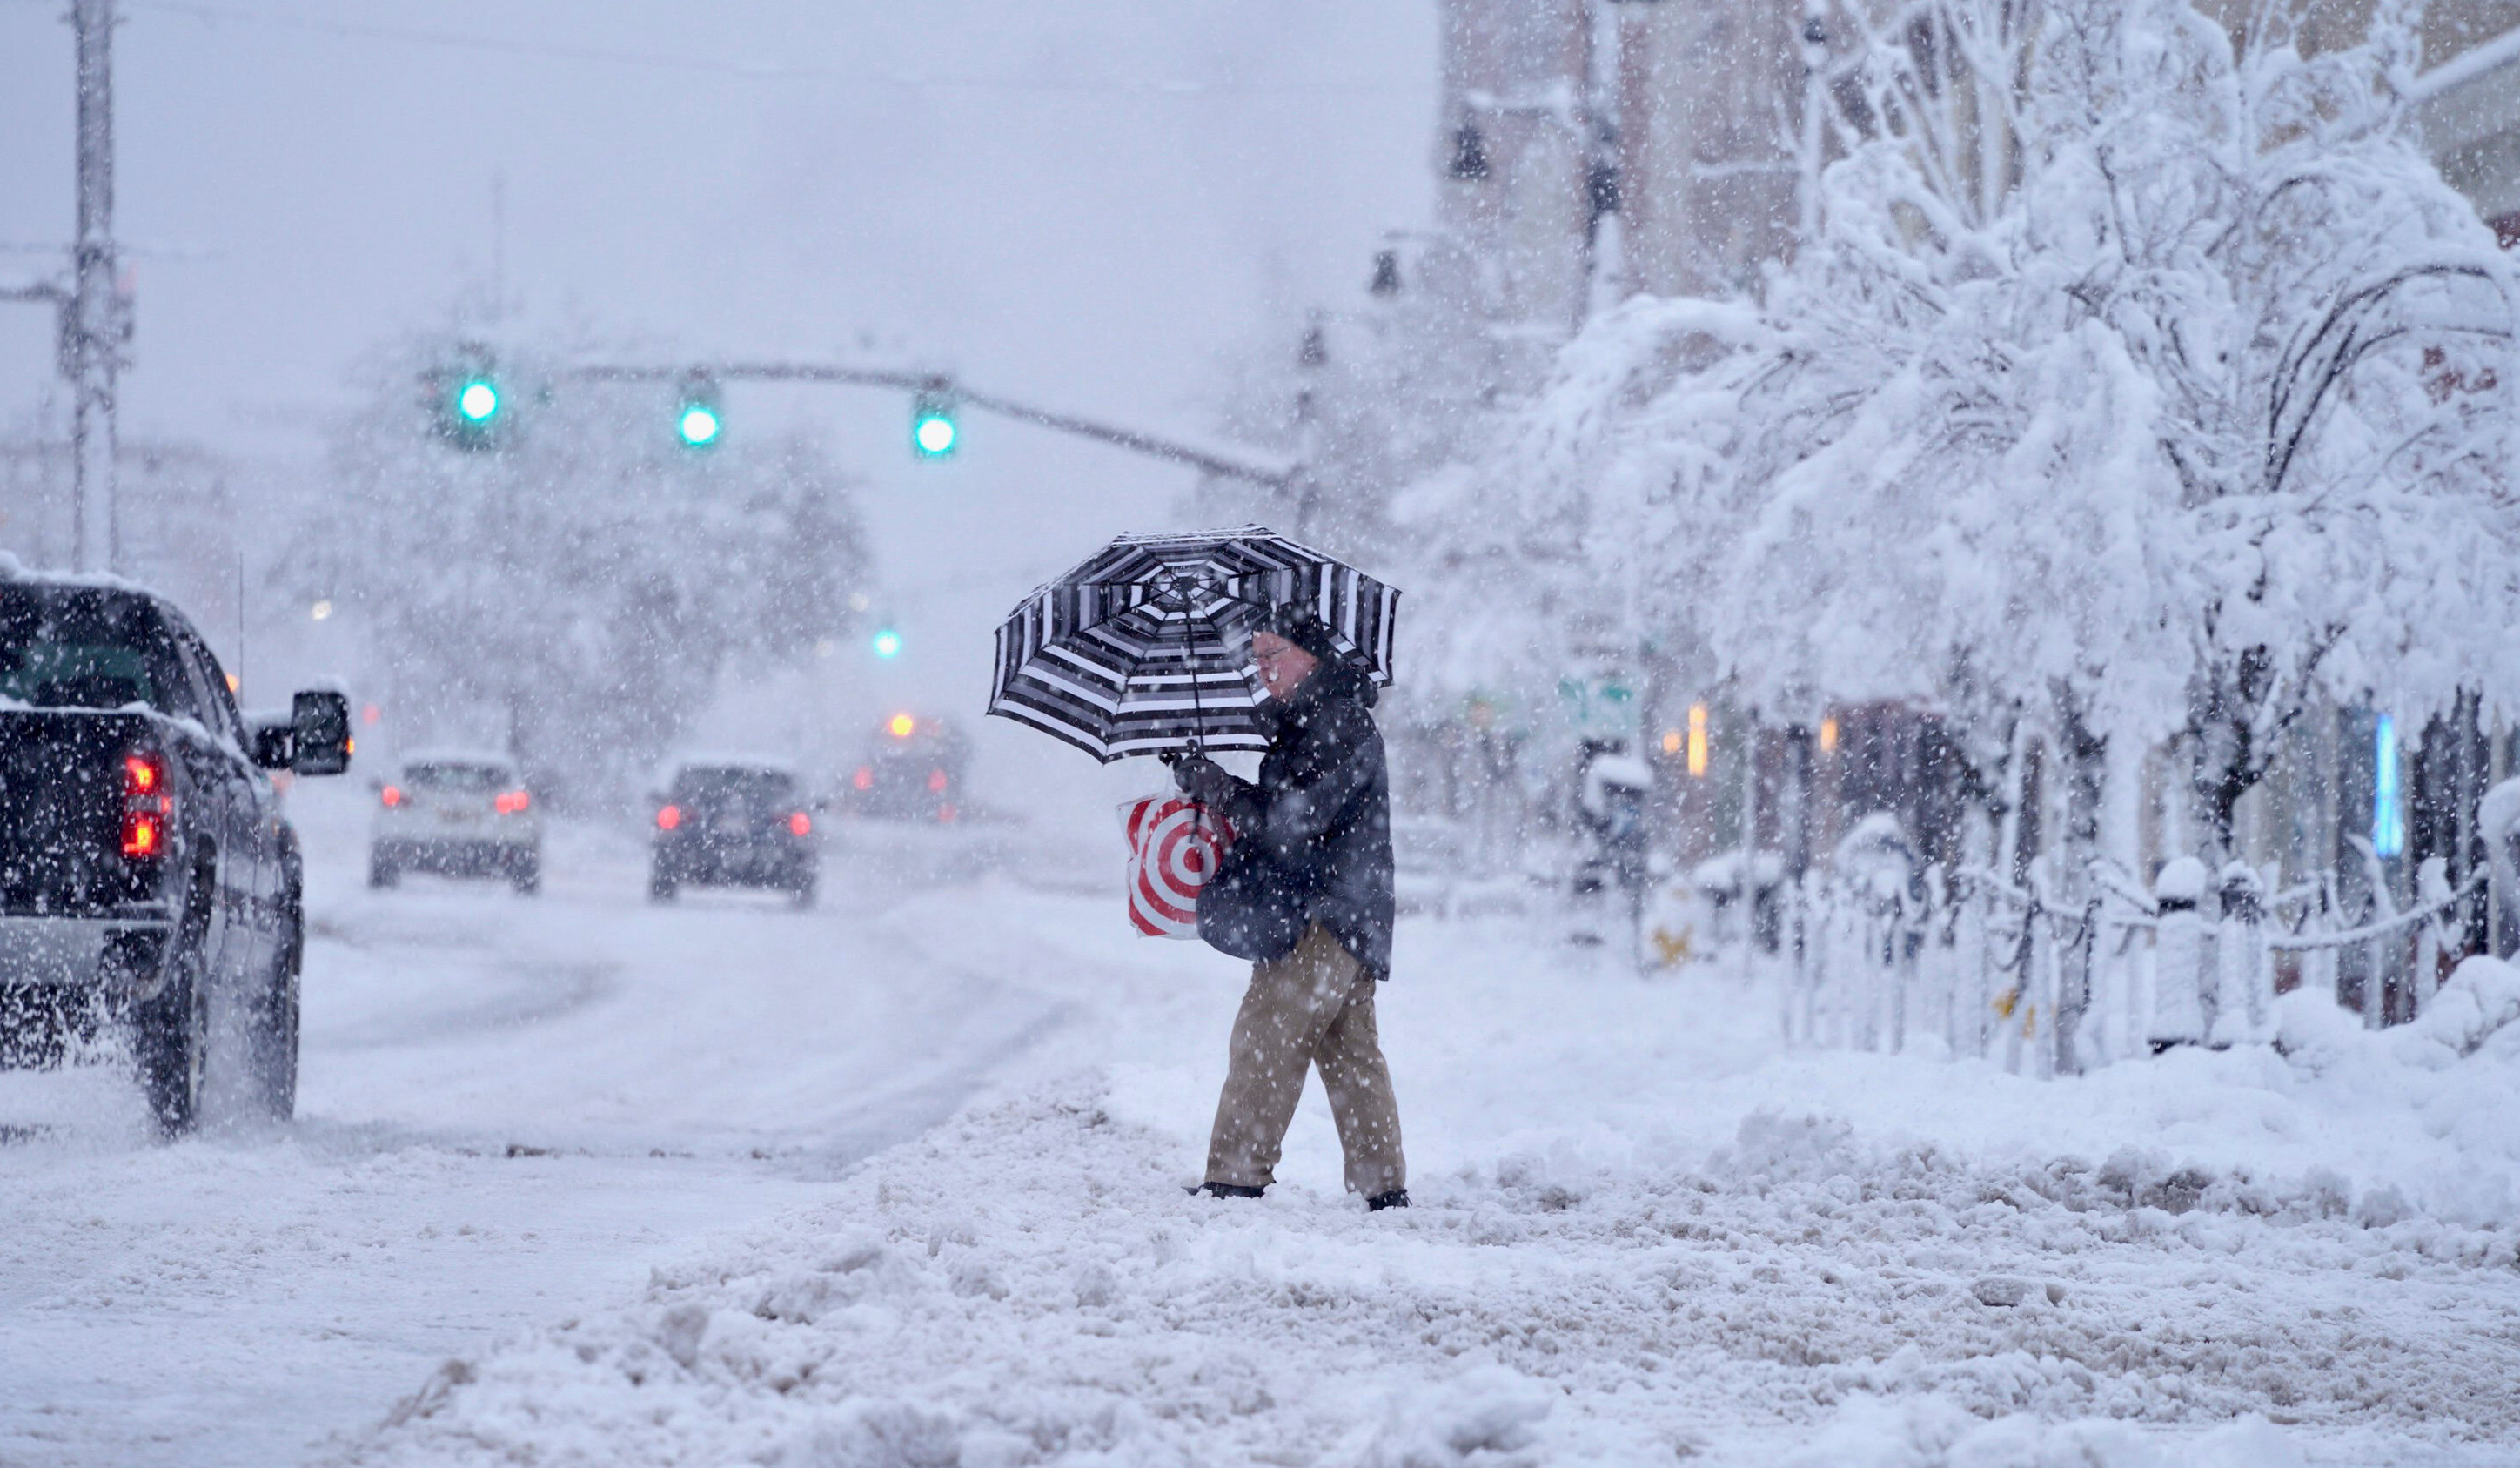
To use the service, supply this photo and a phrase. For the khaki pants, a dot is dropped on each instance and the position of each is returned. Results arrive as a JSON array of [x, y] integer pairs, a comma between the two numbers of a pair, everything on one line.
[[1314, 1006]]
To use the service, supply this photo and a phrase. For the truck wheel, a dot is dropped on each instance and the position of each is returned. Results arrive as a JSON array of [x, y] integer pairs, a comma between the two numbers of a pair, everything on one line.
[[661, 885], [382, 871], [171, 1032], [275, 1056], [802, 893], [526, 873]]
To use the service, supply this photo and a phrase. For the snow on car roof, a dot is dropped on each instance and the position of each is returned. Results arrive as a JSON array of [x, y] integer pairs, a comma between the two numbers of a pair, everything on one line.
[[491, 757], [13, 569], [718, 760]]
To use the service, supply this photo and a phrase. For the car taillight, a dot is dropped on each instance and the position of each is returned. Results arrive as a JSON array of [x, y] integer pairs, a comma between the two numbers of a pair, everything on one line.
[[392, 795], [864, 779], [513, 801], [936, 780], [146, 804], [801, 823], [947, 813], [669, 818]]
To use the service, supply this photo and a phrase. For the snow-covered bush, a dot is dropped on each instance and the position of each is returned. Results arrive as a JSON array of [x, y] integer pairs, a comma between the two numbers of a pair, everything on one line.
[[2201, 417], [575, 588]]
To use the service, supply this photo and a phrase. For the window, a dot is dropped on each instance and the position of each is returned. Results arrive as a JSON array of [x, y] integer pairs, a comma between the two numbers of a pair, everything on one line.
[[65, 646]]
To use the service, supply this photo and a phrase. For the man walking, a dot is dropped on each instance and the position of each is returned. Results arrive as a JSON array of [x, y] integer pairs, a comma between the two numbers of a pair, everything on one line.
[[1313, 846]]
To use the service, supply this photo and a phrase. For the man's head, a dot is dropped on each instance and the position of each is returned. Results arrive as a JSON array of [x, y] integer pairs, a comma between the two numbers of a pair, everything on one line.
[[1282, 665], [1290, 645]]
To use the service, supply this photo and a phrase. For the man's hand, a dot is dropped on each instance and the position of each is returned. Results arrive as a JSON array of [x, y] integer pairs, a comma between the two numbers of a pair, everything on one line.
[[1204, 779]]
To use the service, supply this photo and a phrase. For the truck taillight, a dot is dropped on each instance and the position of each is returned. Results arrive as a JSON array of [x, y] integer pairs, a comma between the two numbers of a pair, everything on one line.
[[669, 818], [800, 824], [143, 774], [392, 795], [513, 801], [146, 804]]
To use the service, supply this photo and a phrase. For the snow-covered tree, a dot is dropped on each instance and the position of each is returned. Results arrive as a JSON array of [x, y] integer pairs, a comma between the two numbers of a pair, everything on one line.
[[575, 586], [2199, 417]]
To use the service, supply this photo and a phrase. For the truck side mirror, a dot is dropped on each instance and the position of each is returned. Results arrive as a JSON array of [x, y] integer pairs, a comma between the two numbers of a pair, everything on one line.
[[319, 732], [270, 736]]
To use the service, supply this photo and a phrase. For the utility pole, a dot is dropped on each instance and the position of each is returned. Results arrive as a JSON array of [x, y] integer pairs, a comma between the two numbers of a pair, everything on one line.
[[96, 324]]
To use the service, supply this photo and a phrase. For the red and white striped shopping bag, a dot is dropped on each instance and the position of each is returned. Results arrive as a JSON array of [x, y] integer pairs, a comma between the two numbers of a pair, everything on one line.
[[1173, 847]]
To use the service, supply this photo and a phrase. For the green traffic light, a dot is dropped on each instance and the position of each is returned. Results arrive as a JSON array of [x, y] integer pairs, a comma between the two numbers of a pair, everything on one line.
[[887, 643], [699, 425], [933, 432], [477, 400]]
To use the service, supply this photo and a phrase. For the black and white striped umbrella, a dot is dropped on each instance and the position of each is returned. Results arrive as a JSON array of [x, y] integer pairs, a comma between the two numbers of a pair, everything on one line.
[[1146, 647]]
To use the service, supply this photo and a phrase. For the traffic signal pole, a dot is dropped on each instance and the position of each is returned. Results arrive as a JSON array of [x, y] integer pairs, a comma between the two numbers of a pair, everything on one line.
[[1254, 466]]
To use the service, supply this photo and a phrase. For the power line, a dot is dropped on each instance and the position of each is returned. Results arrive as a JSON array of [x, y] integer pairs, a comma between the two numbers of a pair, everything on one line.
[[351, 30]]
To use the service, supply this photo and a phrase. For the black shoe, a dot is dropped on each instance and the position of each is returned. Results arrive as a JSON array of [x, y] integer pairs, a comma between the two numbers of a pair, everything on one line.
[[1398, 1197], [1225, 1191]]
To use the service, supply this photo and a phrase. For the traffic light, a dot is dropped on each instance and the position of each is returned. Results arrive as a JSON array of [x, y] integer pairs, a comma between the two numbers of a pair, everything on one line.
[[933, 432], [887, 643], [477, 401], [468, 400], [697, 420]]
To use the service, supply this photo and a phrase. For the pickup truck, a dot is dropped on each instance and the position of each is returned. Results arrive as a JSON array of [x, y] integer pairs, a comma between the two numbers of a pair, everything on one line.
[[149, 885]]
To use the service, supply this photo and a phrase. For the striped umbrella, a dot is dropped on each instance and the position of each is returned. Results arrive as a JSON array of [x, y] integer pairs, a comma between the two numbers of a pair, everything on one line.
[[1146, 647]]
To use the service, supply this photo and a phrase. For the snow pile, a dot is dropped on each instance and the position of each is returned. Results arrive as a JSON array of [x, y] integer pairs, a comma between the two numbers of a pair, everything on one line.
[[2451, 1078], [1643, 1234], [1934, 1434], [1030, 1284]]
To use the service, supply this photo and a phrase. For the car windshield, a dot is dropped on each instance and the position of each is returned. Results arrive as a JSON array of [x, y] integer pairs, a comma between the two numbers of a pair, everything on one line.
[[746, 789], [477, 779], [87, 648]]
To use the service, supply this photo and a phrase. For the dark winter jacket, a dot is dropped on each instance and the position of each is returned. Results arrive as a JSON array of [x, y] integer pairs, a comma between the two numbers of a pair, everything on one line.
[[1320, 816]]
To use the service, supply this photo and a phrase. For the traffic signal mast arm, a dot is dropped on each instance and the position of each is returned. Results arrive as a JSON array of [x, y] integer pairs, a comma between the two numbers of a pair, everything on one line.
[[1229, 462]]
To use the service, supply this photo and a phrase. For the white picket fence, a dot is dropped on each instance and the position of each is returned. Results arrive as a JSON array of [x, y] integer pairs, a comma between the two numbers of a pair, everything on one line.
[[1874, 953]]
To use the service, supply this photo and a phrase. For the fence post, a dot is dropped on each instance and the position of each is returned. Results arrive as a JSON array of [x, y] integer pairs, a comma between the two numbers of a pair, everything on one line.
[[2242, 996], [2432, 890], [2179, 956]]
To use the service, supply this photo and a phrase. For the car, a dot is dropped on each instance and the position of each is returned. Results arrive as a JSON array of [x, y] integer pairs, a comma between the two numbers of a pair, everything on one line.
[[457, 815], [911, 770], [149, 883], [734, 823]]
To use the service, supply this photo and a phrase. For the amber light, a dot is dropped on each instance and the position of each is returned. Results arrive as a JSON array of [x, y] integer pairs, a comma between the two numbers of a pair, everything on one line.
[[1697, 740], [801, 823], [392, 795], [901, 726], [142, 833], [1828, 735], [511, 802], [669, 818]]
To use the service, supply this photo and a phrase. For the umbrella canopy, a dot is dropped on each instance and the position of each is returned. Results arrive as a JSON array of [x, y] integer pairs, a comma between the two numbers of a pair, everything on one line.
[[1146, 645]]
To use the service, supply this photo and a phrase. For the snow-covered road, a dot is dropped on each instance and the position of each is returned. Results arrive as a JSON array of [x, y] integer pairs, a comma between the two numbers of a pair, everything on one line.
[[510, 1109], [579, 1181]]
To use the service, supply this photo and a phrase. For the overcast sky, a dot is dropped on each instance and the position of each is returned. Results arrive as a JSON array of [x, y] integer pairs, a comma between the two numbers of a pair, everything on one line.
[[1098, 204]]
